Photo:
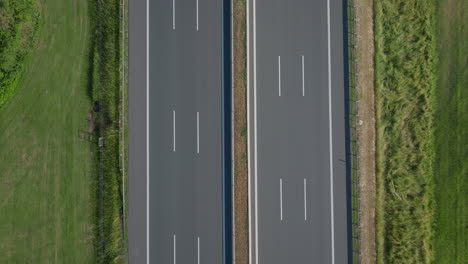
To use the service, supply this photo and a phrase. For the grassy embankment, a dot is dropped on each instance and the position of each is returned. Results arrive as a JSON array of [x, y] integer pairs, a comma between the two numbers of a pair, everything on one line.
[[19, 22], [405, 83], [47, 177], [451, 166], [105, 92]]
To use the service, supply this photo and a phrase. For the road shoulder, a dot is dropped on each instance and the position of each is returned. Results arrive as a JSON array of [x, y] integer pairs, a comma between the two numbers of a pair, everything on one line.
[[365, 89]]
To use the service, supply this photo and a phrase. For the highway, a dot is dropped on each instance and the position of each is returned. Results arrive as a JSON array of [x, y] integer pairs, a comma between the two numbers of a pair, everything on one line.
[[179, 205], [298, 170]]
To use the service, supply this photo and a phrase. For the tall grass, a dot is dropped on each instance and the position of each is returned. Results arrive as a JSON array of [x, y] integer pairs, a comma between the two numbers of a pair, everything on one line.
[[405, 81], [105, 93]]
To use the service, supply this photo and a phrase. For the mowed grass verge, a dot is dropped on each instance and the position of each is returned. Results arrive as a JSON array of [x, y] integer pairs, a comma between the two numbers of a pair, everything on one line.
[[47, 197], [451, 166], [405, 82]]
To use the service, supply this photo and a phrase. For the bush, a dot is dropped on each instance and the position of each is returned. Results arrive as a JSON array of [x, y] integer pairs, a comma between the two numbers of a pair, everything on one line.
[[19, 22]]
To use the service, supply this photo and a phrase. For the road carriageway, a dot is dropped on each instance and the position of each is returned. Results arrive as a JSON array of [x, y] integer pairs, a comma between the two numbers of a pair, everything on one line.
[[180, 204], [297, 132]]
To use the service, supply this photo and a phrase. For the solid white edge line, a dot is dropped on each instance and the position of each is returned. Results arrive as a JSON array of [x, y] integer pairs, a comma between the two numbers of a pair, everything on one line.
[[198, 249], [198, 132], [173, 131], [147, 135], [249, 133], [330, 137], [197, 15], [255, 127], [175, 250], [303, 82], [281, 199], [173, 14], [279, 75], [305, 199]]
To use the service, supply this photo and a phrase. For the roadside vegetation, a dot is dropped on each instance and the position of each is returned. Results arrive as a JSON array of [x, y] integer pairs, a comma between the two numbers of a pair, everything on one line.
[[61, 198], [451, 163], [19, 23], [46, 166], [405, 47], [104, 91]]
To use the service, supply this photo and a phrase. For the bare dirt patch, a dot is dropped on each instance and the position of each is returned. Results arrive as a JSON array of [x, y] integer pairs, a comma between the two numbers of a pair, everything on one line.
[[366, 131]]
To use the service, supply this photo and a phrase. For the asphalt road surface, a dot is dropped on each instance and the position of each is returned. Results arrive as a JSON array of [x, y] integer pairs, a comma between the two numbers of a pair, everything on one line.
[[297, 132], [177, 141]]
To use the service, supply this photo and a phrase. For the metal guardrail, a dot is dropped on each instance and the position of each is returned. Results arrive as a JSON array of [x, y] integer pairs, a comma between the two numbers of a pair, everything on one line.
[[123, 144]]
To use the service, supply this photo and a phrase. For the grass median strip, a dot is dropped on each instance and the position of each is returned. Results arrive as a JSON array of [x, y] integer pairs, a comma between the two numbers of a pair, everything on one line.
[[240, 132]]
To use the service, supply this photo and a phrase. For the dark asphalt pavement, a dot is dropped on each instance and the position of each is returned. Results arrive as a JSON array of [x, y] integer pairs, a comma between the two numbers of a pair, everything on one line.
[[137, 209], [298, 191], [186, 188]]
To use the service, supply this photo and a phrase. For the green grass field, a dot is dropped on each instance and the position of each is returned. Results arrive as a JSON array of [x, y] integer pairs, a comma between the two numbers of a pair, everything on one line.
[[451, 167], [47, 197], [405, 83]]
